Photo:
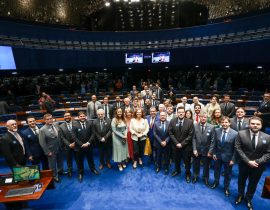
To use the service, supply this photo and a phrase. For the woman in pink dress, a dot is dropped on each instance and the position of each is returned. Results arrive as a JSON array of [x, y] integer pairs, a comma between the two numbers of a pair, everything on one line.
[[128, 117]]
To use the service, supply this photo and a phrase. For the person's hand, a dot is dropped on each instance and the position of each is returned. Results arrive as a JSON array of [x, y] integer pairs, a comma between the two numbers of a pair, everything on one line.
[[163, 143], [195, 152], [179, 145], [209, 155], [253, 164], [31, 158], [102, 139], [214, 157], [50, 154], [139, 135], [231, 163], [72, 146], [86, 145]]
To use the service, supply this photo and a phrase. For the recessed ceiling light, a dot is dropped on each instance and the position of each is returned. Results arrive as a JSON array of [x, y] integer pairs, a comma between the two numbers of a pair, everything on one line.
[[259, 67], [14, 73], [107, 4], [227, 67], [80, 71], [197, 66]]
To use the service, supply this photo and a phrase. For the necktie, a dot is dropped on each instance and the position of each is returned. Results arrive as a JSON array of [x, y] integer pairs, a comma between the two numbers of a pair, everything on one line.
[[226, 107], [163, 127], [17, 136], [95, 111], [152, 122], [202, 128], [253, 142], [83, 126], [69, 127], [223, 137], [180, 124], [239, 125], [158, 93], [101, 125], [106, 110], [36, 131], [54, 131], [197, 118]]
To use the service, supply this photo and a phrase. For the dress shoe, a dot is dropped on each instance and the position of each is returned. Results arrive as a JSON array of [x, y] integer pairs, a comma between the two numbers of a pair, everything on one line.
[[124, 165], [206, 182], [188, 178], [62, 172], [166, 171], [194, 180], [134, 165], [140, 162], [109, 165], [56, 179], [157, 169], [69, 174], [214, 185], [227, 192], [101, 167], [120, 167], [175, 173], [80, 177], [249, 204], [95, 171], [239, 199]]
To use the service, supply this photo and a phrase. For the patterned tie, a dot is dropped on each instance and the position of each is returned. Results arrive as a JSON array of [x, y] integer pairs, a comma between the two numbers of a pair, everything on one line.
[[69, 127]]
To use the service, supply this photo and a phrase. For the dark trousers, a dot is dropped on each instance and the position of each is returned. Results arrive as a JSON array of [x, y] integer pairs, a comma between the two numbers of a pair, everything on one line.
[[88, 153], [163, 153], [138, 148], [227, 172], [196, 166], [70, 155], [41, 159], [105, 150], [253, 175], [179, 155]]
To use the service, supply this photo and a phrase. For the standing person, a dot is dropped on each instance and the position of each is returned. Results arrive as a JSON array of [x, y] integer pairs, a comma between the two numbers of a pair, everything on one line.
[[92, 108], [224, 153], [84, 143], [50, 141], [162, 139], [128, 117], [196, 113], [103, 133], [159, 92], [181, 132], [170, 114], [34, 151], [203, 138], [212, 106], [227, 107], [139, 128], [108, 109], [12, 146], [119, 139], [239, 122], [67, 135], [127, 105], [118, 103], [215, 118], [253, 148], [263, 110], [184, 104]]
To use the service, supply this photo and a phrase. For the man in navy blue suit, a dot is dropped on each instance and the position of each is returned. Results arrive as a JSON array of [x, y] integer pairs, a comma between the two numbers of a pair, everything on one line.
[[34, 151], [224, 153], [161, 142]]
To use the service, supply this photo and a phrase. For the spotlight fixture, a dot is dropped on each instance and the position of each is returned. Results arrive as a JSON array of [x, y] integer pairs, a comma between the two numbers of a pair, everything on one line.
[[259, 67], [107, 4]]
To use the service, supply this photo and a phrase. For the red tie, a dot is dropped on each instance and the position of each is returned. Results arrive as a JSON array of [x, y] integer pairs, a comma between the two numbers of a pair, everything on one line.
[[197, 118]]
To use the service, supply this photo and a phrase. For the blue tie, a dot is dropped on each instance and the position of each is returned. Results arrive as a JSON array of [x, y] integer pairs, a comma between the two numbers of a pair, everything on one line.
[[163, 127], [223, 137]]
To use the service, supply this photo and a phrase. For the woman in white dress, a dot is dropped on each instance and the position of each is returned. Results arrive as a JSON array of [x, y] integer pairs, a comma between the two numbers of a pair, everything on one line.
[[119, 138]]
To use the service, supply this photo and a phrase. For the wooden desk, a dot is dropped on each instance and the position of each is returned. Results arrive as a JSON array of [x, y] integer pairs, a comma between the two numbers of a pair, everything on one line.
[[46, 181]]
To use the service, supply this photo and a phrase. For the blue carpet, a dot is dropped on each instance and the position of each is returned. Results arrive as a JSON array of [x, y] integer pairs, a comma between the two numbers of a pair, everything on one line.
[[140, 189]]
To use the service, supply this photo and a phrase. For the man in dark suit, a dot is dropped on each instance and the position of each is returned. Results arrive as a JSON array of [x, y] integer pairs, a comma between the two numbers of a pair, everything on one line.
[[203, 138], [227, 107], [264, 111], [155, 102], [67, 135], [127, 105], [159, 92], [224, 153], [253, 148], [161, 142], [12, 146], [118, 103], [181, 132], [34, 151], [84, 144], [239, 122], [103, 133], [108, 109], [49, 139]]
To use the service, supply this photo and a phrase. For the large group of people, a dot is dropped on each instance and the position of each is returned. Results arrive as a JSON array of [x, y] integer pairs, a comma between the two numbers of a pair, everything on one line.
[[122, 131]]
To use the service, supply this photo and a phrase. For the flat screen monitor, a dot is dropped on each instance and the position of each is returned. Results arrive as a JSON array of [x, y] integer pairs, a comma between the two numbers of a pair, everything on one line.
[[7, 61], [160, 57], [26, 173], [133, 58]]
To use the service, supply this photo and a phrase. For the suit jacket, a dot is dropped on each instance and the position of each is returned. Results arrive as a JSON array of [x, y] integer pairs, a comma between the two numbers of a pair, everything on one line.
[[67, 137], [124, 107], [230, 110], [225, 151], [202, 141], [31, 141], [90, 109], [244, 149], [105, 132], [234, 124], [12, 150], [83, 135], [151, 129], [110, 110], [159, 133], [49, 140], [115, 105], [264, 108], [184, 135], [155, 103], [161, 94]]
